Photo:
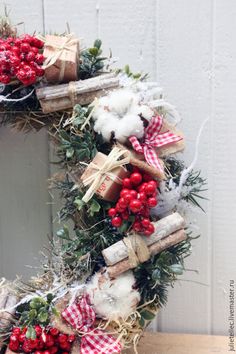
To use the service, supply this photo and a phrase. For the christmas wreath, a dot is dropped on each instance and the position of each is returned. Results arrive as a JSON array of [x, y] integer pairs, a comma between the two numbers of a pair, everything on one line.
[[122, 184]]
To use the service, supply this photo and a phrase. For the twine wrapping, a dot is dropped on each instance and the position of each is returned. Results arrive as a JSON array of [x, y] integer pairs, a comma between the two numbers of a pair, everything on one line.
[[72, 92], [138, 251], [113, 160]]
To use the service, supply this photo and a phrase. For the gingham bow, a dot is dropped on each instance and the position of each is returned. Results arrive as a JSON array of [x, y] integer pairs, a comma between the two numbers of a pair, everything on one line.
[[153, 139], [81, 317]]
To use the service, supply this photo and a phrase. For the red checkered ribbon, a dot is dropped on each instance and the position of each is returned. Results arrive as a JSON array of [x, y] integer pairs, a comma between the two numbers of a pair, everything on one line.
[[154, 139], [81, 317]]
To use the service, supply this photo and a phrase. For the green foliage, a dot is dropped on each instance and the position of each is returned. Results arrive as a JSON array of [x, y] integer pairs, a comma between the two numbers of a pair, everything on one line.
[[90, 241], [154, 276], [37, 311], [92, 61], [75, 148]]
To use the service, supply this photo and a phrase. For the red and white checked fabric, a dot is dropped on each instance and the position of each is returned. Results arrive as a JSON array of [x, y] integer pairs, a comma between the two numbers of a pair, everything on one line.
[[81, 317], [153, 139]]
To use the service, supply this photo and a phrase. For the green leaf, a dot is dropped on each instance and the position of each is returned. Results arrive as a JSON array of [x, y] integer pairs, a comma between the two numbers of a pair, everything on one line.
[[94, 207], [64, 233], [43, 316], [70, 152], [32, 314], [93, 51], [55, 312], [79, 203], [141, 322], [64, 135], [49, 298], [147, 315], [30, 333], [127, 69], [176, 269], [98, 43]]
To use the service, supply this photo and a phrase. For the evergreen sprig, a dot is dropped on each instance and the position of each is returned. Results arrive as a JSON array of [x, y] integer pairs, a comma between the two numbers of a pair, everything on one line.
[[91, 61]]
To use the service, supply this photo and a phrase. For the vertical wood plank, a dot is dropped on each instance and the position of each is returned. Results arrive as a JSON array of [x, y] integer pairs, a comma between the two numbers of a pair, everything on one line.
[[80, 15], [128, 28], [223, 172], [184, 59], [24, 212]]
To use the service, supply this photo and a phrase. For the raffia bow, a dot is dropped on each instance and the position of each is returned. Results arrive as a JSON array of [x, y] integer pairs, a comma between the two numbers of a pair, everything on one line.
[[137, 248], [113, 160], [81, 317], [153, 138]]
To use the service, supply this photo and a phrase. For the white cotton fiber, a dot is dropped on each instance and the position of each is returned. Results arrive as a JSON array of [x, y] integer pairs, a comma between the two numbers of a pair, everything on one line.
[[113, 299]]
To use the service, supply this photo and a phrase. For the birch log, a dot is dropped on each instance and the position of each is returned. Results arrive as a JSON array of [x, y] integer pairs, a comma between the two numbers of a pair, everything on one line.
[[154, 249], [59, 97], [164, 227]]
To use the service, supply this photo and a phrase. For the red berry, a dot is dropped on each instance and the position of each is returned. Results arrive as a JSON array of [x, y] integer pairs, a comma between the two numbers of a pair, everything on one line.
[[26, 38], [126, 183], [151, 202], [119, 208], [64, 353], [30, 56], [133, 193], [122, 203], [111, 212], [136, 178], [14, 338], [25, 47], [142, 187], [49, 340], [38, 330], [127, 197], [46, 352], [149, 230], [124, 191], [38, 352], [34, 50], [16, 331], [150, 188], [116, 221], [135, 205], [18, 42], [145, 222], [137, 226], [26, 346], [65, 345], [5, 79], [71, 338], [21, 337], [15, 50], [39, 58], [142, 197], [54, 350], [37, 43], [125, 215], [147, 177], [34, 343], [62, 338], [14, 346]]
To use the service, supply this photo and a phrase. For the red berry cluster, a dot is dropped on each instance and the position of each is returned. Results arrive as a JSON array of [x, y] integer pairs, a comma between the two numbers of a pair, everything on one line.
[[47, 341], [21, 58], [138, 195]]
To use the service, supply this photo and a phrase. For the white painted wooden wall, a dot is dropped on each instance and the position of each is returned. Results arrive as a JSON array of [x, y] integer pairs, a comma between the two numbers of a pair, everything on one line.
[[189, 47]]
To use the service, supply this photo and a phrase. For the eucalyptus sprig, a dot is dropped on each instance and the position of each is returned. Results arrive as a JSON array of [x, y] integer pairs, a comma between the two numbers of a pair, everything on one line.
[[91, 61]]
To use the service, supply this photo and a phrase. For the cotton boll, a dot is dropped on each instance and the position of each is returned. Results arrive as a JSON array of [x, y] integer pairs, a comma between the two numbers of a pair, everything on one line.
[[108, 127], [130, 125], [145, 111], [120, 101], [103, 119], [99, 107], [113, 299]]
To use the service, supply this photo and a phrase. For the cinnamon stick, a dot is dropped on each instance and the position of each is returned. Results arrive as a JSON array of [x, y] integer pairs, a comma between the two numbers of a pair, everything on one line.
[[154, 249], [164, 227]]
